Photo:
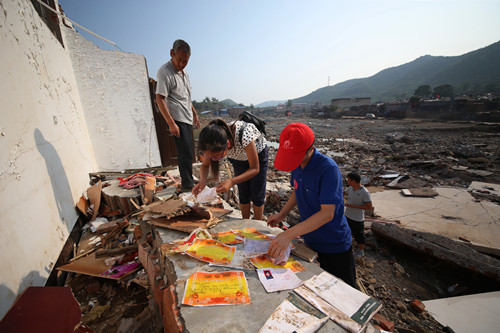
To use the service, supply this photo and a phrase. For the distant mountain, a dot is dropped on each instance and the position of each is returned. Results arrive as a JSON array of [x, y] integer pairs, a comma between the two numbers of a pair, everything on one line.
[[229, 102], [270, 103], [475, 70]]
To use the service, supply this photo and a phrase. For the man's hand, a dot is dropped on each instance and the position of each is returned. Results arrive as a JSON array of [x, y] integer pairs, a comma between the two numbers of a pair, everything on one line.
[[196, 122], [274, 220], [279, 245], [174, 129], [224, 186]]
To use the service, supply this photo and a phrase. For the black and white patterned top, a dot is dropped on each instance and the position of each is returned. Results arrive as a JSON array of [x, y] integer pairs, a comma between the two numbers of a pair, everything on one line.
[[250, 133]]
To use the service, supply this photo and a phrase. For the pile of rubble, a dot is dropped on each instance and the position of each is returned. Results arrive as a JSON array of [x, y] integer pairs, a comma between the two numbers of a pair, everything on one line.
[[400, 154]]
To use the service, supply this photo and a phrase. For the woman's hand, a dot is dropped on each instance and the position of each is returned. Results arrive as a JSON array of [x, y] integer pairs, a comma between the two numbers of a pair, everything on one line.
[[225, 186], [198, 188]]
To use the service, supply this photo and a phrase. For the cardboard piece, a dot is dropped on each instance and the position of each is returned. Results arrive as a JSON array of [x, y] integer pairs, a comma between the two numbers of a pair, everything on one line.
[[192, 220], [94, 195], [149, 189], [83, 206], [90, 265]]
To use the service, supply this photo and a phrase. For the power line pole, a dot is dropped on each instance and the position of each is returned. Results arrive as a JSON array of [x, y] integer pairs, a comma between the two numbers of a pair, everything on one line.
[[328, 81]]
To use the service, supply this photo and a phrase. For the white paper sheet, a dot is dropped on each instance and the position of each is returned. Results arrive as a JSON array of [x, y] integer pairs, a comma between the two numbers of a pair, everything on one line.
[[276, 279]]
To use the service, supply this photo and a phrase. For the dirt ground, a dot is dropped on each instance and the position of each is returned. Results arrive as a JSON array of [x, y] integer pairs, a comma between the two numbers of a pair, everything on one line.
[[430, 153]]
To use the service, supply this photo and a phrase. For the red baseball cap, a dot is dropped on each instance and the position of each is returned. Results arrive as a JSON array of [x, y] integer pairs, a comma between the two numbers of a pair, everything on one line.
[[295, 139]]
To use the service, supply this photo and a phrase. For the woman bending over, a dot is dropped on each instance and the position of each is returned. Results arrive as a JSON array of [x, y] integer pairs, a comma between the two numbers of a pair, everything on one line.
[[248, 157]]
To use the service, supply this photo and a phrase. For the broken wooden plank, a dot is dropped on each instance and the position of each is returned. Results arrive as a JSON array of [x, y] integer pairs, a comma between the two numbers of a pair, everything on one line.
[[440, 247], [116, 251], [302, 251]]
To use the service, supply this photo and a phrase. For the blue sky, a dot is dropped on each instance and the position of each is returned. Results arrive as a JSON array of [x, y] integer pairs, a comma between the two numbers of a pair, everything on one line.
[[261, 50]]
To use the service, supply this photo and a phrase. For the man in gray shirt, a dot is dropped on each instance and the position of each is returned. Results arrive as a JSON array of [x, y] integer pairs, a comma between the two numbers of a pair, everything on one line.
[[173, 96], [357, 201]]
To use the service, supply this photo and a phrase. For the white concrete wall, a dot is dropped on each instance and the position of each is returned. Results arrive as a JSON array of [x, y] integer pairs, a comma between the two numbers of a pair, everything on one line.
[[115, 96], [45, 150]]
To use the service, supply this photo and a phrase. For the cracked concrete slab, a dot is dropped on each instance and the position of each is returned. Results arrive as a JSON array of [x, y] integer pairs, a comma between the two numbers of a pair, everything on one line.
[[483, 312], [454, 213]]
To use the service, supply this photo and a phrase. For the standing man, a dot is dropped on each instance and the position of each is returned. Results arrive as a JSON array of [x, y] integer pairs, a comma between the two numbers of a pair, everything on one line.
[[357, 201], [317, 190], [173, 96]]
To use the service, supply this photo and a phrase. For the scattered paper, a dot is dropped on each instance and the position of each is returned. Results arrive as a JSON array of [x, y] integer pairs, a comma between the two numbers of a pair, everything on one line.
[[256, 248], [97, 222], [294, 315], [239, 262], [216, 288], [207, 194], [121, 270], [349, 302], [181, 245], [276, 279]]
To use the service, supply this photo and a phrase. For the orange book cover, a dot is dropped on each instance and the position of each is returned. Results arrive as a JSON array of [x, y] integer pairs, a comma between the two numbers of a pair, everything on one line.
[[264, 262], [216, 288]]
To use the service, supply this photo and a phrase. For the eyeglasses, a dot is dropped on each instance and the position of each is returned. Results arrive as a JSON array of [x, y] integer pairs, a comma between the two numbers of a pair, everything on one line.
[[216, 156]]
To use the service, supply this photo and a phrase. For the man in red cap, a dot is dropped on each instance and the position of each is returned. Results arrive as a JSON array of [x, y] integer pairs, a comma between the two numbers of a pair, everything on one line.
[[318, 193]]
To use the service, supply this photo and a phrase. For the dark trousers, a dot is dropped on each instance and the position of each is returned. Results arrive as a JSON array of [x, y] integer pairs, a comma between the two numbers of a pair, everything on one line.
[[254, 189], [358, 230], [185, 153], [341, 265]]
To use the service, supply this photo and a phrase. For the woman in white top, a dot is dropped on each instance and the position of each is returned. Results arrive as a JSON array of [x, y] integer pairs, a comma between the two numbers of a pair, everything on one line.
[[248, 157]]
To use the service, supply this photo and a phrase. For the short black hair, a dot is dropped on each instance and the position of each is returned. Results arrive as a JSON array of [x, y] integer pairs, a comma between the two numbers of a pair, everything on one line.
[[354, 176], [181, 45]]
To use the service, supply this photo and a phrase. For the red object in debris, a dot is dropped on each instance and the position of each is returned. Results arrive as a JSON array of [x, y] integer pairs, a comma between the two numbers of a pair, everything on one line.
[[383, 323], [43, 309], [417, 305]]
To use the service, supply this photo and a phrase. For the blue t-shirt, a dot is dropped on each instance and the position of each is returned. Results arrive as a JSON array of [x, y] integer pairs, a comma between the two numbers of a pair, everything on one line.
[[320, 182]]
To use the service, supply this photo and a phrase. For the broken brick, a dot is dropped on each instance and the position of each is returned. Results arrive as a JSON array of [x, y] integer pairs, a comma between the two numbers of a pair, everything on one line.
[[384, 323], [417, 305]]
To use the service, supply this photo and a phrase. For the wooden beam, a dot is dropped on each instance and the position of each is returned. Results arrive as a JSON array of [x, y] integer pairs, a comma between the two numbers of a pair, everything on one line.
[[440, 247]]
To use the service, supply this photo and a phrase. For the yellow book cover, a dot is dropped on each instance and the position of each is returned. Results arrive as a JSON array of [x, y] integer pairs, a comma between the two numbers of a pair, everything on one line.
[[264, 262], [210, 250], [228, 237], [216, 288], [252, 233]]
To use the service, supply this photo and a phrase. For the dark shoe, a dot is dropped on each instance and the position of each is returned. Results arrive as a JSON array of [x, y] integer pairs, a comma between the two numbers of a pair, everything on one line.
[[183, 189]]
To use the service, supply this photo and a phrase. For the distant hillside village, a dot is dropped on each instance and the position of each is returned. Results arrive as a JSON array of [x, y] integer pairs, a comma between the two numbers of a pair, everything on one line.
[[478, 108]]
